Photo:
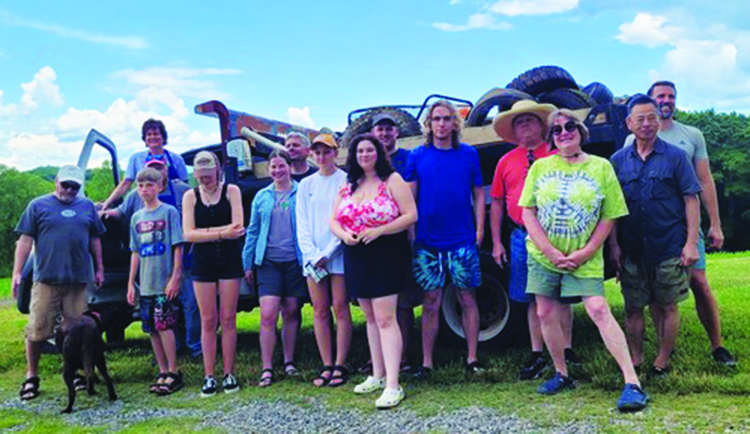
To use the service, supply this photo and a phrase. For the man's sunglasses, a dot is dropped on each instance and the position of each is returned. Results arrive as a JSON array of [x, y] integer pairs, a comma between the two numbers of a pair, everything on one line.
[[74, 186], [569, 126]]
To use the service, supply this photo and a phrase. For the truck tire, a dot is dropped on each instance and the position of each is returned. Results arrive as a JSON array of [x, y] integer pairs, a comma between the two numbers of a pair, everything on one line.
[[502, 99], [408, 125], [573, 99], [501, 321], [543, 79], [599, 92]]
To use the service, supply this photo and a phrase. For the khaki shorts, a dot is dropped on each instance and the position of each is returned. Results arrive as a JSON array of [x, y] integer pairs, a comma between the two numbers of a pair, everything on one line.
[[551, 284], [47, 301], [665, 283]]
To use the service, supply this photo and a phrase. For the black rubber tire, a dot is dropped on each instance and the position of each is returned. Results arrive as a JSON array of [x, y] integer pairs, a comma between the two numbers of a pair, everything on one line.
[[599, 92], [503, 99], [501, 320], [573, 99], [543, 79], [408, 125]]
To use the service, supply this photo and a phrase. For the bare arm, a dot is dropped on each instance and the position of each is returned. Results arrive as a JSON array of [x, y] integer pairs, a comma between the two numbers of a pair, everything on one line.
[[348, 237], [496, 224], [614, 249], [23, 250], [539, 237], [479, 211], [601, 232], [692, 213], [95, 248], [134, 262], [120, 190], [173, 285], [710, 201]]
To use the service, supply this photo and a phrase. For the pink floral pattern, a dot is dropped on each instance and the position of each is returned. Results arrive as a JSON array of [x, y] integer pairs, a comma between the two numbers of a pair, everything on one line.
[[378, 211]]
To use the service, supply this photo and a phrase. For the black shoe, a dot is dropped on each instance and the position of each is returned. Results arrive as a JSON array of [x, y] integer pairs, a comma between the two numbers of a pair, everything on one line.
[[722, 356], [571, 359], [658, 373], [474, 368], [423, 373], [534, 367]]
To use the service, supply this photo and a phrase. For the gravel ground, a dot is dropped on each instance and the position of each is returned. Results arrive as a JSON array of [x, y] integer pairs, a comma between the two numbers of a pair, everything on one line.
[[279, 416]]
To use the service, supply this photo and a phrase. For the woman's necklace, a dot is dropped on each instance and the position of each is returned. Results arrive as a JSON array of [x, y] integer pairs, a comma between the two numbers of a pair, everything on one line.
[[209, 195]]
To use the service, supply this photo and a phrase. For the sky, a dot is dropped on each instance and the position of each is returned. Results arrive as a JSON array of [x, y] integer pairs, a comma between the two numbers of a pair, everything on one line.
[[67, 67]]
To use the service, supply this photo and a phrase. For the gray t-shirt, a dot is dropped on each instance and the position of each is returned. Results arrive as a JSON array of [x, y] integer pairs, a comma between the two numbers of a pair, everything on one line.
[[280, 245], [685, 137], [152, 235], [61, 233]]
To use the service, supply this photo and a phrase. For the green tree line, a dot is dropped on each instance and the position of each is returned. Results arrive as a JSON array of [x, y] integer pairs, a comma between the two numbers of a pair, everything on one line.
[[727, 136]]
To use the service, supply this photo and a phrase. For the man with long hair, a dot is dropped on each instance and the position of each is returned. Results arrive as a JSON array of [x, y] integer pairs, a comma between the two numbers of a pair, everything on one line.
[[446, 179]]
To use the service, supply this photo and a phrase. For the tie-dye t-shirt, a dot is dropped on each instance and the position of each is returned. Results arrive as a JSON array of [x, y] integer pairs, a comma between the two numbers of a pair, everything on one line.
[[570, 200]]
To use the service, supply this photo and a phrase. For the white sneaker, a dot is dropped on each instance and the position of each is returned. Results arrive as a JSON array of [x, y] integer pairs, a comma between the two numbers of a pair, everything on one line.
[[370, 385], [230, 384], [390, 398]]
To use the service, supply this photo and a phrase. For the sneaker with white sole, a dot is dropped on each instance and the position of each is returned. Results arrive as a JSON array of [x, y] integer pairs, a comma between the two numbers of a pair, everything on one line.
[[230, 384], [209, 387], [390, 398], [370, 385]]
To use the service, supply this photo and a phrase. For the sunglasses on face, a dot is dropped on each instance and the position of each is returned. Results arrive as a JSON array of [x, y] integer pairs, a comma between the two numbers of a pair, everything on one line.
[[70, 186], [569, 126], [442, 118]]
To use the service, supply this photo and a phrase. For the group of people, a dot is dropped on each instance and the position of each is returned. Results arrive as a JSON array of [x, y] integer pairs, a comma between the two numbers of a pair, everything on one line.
[[391, 232]]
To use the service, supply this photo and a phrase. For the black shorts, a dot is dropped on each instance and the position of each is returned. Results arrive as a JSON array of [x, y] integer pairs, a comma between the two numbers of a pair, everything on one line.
[[217, 261]]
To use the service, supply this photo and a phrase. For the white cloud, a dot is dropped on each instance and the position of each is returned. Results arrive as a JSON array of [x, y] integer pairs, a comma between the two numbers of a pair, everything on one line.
[[514, 8], [476, 21], [41, 89], [183, 81], [708, 62], [134, 42], [24, 150], [649, 30], [300, 116], [7, 110]]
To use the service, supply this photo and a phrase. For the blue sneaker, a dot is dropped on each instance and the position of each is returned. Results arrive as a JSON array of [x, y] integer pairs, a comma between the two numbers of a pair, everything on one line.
[[555, 385], [633, 398]]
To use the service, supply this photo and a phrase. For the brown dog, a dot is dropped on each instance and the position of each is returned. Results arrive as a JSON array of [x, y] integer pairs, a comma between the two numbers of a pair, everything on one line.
[[80, 342]]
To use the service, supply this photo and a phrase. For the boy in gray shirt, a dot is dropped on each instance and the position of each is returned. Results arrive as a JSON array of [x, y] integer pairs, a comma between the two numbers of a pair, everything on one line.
[[156, 243]]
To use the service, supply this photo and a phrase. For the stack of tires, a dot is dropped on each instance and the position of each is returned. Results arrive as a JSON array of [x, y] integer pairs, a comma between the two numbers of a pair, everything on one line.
[[547, 84]]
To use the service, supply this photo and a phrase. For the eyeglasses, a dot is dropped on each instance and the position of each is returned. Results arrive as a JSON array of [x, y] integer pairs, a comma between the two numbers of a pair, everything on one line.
[[68, 185], [151, 157], [569, 126], [442, 118]]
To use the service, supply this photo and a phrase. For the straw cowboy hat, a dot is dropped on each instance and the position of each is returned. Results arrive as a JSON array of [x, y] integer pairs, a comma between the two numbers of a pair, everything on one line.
[[503, 122]]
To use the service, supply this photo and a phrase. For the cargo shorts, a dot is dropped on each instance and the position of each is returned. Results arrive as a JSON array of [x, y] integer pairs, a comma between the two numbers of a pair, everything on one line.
[[665, 283], [47, 301]]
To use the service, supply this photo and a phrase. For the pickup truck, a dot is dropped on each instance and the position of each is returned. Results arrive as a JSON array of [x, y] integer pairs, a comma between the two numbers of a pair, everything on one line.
[[247, 140]]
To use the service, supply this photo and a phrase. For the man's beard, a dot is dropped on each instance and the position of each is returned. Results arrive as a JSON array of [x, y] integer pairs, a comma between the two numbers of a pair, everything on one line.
[[668, 114]]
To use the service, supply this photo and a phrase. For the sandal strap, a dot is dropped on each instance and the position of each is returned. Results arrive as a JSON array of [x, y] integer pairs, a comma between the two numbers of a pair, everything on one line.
[[326, 368], [266, 370], [342, 369]]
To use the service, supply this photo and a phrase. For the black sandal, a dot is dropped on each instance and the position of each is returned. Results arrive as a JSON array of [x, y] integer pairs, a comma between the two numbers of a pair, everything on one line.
[[30, 393], [266, 381], [323, 380], [155, 387], [79, 382], [290, 369], [365, 369], [340, 376], [168, 388]]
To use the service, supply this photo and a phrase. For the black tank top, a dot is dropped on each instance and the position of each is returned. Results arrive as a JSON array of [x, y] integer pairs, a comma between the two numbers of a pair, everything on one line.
[[218, 214]]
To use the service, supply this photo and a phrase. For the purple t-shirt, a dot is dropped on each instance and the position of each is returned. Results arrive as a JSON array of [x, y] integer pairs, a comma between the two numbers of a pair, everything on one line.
[[446, 181]]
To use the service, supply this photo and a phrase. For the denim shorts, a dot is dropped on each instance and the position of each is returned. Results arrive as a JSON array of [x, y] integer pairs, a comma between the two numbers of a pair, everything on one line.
[[158, 313], [560, 286], [665, 283], [281, 279], [433, 268]]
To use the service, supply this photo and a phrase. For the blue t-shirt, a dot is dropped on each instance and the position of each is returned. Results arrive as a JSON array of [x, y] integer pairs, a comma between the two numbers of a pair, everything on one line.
[[61, 233], [399, 159], [177, 168], [656, 228], [446, 179]]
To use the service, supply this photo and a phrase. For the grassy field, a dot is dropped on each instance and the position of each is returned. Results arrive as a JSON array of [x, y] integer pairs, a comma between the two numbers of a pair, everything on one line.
[[697, 396]]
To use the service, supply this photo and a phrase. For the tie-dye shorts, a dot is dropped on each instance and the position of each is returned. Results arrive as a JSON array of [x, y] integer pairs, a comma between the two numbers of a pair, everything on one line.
[[433, 268]]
